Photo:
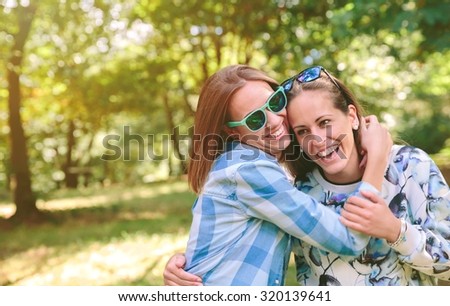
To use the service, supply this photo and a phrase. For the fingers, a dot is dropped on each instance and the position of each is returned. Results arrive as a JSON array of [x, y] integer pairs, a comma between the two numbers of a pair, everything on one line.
[[180, 277], [354, 210], [371, 119], [352, 224], [351, 214], [357, 210], [357, 201], [357, 204], [179, 260], [363, 214], [356, 218], [174, 275], [184, 278], [363, 162], [180, 282]]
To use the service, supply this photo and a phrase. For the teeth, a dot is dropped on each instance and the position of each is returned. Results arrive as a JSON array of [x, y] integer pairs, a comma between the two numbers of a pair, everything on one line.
[[327, 151], [278, 133]]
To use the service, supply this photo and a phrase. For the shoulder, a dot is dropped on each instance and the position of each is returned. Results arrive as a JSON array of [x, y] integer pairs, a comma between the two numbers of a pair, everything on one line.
[[245, 162], [403, 157], [406, 161], [402, 153], [237, 153]]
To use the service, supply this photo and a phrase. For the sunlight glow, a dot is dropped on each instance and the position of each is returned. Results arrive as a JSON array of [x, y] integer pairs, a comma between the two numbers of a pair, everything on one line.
[[9, 3], [137, 257], [7, 210]]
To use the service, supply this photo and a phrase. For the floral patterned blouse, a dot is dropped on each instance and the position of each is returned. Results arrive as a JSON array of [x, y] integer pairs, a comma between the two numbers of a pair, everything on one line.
[[415, 191]]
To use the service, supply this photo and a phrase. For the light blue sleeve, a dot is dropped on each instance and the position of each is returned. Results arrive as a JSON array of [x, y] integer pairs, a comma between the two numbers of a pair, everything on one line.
[[265, 192]]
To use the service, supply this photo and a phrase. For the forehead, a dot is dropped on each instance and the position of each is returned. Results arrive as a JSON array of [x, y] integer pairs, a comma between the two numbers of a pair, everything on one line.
[[311, 100], [252, 90], [307, 107], [252, 95]]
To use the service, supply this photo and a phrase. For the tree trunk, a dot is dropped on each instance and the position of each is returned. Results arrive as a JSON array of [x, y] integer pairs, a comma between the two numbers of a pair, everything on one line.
[[71, 176], [187, 107], [175, 136], [20, 173], [204, 62]]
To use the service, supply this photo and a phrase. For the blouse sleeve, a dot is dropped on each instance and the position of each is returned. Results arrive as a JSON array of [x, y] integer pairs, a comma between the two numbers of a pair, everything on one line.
[[425, 244], [265, 193]]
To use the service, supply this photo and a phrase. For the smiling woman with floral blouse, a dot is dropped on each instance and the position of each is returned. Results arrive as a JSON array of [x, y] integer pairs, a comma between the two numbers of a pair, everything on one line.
[[325, 118]]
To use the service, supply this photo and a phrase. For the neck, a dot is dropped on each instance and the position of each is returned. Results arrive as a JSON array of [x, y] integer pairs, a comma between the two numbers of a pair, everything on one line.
[[350, 174], [342, 179]]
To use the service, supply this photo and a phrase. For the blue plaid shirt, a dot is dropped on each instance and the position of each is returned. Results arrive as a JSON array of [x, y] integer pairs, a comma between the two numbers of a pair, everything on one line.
[[243, 219]]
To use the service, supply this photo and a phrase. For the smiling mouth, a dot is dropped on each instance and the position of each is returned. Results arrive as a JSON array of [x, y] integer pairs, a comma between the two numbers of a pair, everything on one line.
[[328, 151], [277, 133]]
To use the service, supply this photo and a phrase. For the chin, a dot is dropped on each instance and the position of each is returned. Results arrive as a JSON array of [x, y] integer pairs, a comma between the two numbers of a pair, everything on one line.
[[333, 170]]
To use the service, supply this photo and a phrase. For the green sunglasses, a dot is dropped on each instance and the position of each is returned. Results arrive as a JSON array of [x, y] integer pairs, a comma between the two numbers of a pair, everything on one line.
[[257, 119]]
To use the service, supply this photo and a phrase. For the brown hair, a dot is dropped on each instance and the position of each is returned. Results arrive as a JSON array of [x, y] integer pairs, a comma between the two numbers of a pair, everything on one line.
[[297, 163], [209, 137]]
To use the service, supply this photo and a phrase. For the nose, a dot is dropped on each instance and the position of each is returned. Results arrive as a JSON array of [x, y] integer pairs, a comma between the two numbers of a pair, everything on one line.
[[318, 135], [314, 139], [274, 119]]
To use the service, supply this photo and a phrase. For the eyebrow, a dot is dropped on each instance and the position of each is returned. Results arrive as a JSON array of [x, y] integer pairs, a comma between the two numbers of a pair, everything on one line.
[[317, 120]]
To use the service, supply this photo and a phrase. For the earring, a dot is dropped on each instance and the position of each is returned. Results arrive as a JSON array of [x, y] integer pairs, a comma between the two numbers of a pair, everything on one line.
[[355, 126]]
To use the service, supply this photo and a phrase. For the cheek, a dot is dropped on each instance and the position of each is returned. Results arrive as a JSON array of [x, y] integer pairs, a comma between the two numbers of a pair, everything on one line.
[[342, 130], [305, 144], [349, 140], [284, 114]]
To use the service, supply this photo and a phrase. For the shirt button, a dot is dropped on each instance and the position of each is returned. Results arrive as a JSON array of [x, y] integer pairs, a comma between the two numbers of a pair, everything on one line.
[[277, 282]]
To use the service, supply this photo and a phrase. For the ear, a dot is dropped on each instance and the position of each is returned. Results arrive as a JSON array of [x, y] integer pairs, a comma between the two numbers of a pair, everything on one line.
[[353, 117]]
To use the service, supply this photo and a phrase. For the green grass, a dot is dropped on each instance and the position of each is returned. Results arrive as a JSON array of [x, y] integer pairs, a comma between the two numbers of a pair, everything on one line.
[[113, 236]]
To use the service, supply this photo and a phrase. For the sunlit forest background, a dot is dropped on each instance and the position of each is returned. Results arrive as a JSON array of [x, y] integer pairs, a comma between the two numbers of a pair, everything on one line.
[[97, 100]]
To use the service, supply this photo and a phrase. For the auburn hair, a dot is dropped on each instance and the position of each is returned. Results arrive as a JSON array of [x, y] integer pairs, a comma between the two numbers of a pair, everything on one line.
[[209, 137]]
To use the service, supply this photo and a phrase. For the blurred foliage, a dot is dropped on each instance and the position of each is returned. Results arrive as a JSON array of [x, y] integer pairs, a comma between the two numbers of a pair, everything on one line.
[[442, 158], [95, 69]]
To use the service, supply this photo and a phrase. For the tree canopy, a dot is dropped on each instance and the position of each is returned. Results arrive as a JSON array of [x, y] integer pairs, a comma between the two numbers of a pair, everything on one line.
[[97, 75]]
